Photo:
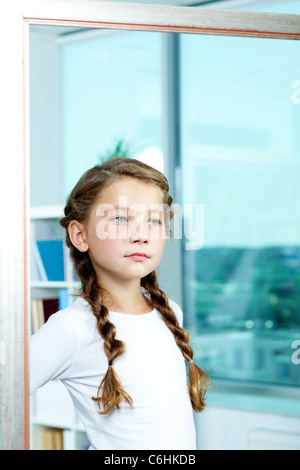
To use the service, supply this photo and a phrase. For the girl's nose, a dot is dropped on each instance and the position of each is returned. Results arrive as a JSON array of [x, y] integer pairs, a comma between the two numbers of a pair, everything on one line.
[[139, 233]]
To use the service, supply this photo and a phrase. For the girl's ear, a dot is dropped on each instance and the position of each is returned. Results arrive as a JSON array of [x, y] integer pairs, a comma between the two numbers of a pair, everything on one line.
[[77, 235]]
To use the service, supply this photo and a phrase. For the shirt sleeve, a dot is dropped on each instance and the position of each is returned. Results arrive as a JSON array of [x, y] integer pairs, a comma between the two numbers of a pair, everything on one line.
[[51, 350], [177, 310]]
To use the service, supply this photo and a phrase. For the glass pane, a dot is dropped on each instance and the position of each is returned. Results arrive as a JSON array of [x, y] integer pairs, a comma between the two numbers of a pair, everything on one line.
[[289, 7], [240, 159], [111, 91]]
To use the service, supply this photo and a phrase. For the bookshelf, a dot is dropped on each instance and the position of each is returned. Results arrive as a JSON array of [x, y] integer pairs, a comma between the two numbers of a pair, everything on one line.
[[54, 424]]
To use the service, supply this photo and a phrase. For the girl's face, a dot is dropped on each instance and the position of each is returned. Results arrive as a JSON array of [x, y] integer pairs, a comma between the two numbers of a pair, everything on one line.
[[125, 233]]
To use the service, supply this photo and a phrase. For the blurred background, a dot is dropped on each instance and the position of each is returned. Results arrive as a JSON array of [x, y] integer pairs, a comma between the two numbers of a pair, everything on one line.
[[220, 116]]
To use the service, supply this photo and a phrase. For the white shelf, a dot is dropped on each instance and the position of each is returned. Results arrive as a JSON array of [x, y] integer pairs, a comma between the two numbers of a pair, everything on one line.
[[55, 285], [50, 284], [51, 405], [46, 212]]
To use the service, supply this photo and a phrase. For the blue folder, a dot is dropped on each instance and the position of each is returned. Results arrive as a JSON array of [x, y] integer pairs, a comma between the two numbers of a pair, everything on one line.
[[52, 256]]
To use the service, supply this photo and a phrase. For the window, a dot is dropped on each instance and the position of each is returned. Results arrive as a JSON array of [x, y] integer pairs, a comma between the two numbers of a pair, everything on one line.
[[240, 133], [111, 91]]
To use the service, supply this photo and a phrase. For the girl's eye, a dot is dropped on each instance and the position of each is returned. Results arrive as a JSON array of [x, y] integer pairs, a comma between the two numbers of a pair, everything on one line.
[[120, 219], [154, 222]]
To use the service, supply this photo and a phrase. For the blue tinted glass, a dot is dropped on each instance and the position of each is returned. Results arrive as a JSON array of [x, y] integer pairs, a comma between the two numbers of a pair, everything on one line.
[[111, 91], [290, 7], [241, 159]]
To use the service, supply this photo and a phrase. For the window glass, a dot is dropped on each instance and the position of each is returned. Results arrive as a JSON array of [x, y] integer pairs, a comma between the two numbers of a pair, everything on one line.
[[290, 7], [240, 133], [111, 91]]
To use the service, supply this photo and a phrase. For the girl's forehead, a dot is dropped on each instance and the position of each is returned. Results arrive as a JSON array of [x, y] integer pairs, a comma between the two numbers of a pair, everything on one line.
[[131, 190]]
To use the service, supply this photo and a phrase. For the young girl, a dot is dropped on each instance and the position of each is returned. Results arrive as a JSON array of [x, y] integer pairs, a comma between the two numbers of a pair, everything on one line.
[[120, 348]]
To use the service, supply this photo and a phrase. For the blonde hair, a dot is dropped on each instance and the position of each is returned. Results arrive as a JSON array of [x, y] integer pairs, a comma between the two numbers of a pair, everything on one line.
[[79, 205]]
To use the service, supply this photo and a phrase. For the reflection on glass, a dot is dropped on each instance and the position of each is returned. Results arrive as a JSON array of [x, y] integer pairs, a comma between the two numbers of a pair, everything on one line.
[[112, 89], [240, 158]]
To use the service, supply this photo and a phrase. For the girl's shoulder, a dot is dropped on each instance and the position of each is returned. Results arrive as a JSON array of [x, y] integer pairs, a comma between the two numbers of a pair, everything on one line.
[[77, 316], [177, 310]]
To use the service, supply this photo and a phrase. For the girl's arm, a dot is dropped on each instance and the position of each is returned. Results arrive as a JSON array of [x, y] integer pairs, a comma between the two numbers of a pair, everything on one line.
[[51, 351]]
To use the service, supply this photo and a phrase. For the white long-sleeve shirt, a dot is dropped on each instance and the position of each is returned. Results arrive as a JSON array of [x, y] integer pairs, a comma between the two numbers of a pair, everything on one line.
[[152, 371]]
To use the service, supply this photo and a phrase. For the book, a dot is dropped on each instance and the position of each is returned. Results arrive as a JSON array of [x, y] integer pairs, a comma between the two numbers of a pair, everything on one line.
[[41, 310], [52, 439], [50, 306], [49, 258], [63, 298], [37, 314], [38, 272]]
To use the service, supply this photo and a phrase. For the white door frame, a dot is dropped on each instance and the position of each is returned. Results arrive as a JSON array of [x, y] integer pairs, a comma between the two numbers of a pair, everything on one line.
[[17, 16]]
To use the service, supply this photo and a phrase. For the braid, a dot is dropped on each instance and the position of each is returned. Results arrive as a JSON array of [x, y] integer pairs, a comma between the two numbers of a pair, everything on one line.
[[110, 392], [198, 379], [110, 387]]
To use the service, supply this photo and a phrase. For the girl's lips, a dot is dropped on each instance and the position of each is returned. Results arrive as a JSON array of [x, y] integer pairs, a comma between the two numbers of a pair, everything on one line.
[[138, 256]]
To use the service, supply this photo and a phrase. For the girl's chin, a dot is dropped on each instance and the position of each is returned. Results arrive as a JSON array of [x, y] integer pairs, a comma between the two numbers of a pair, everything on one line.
[[138, 272]]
